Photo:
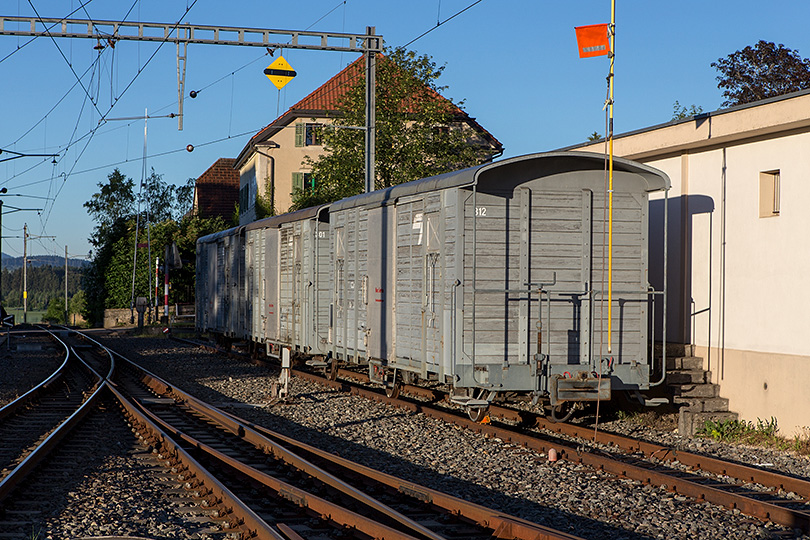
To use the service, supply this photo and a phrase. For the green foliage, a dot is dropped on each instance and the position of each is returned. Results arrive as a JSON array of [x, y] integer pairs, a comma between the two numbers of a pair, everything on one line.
[[44, 283], [595, 136], [114, 201], [108, 282], [417, 132], [762, 71], [680, 112], [235, 216], [763, 433], [76, 302], [264, 204], [185, 198], [56, 311]]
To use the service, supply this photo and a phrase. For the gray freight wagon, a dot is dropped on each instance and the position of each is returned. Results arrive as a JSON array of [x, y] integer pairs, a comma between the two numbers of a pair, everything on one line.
[[489, 279]]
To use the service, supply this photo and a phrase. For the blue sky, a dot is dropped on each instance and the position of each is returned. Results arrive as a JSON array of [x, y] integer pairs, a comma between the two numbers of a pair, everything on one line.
[[514, 63]]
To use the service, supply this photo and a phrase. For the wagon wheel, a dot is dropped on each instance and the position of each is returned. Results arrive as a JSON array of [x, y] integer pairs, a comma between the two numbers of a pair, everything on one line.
[[476, 414], [330, 370], [393, 390], [563, 411]]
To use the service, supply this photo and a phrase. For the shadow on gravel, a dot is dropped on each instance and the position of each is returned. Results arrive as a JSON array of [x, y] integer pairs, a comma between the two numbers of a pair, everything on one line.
[[394, 465], [533, 511]]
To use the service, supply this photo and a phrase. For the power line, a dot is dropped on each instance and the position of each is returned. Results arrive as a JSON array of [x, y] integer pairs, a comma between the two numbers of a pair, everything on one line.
[[112, 105], [52, 108], [18, 49], [48, 30], [438, 24]]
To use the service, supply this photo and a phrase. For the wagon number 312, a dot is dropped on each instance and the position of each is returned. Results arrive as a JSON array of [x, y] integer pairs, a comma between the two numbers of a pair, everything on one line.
[[480, 211]]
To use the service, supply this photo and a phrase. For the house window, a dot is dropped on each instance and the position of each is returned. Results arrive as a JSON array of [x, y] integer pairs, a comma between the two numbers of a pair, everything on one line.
[[769, 202], [307, 135], [302, 181], [244, 199]]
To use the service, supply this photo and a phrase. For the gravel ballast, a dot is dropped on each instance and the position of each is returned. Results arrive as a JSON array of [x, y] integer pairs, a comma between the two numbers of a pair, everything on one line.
[[503, 476]]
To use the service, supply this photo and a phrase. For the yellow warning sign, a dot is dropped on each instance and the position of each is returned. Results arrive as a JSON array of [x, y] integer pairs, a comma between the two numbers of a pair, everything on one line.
[[279, 72]]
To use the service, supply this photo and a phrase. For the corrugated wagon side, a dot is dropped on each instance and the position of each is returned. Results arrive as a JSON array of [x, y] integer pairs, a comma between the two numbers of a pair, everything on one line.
[[535, 283], [220, 269], [494, 279]]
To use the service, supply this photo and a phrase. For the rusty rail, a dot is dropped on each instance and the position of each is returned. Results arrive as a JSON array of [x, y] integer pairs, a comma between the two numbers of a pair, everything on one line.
[[15, 478], [243, 514], [760, 509], [509, 526]]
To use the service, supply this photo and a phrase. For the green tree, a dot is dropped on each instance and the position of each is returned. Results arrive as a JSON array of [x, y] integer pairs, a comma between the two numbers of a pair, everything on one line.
[[264, 204], [56, 311], [762, 71], [158, 198], [185, 198], [680, 112], [114, 201], [76, 304], [595, 136], [417, 132], [108, 280]]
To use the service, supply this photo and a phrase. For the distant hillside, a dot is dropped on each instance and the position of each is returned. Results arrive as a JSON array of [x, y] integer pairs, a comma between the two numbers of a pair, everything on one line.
[[12, 263]]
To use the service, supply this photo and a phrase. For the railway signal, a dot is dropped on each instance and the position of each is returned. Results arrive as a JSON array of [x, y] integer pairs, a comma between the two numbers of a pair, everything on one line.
[[280, 72]]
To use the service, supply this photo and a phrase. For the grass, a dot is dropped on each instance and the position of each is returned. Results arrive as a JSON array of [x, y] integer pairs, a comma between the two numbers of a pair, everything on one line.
[[762, 433]]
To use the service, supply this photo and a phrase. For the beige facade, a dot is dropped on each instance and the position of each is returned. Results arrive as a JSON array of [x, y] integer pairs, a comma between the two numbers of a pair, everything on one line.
[[739, 249], [268, 169], [272, 164]]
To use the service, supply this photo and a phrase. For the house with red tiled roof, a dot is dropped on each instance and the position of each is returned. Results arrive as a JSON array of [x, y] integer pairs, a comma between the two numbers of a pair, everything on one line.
[[217, 189], [271, 164]]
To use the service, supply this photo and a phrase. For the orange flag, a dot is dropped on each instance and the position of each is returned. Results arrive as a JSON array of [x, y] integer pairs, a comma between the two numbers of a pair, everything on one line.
[[592, 40]]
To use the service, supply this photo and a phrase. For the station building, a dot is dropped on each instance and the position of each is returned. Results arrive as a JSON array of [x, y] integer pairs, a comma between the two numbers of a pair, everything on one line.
[[739, 248]]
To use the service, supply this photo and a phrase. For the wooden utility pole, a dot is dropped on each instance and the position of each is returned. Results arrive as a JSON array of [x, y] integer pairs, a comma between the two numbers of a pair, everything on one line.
[[25, 273]]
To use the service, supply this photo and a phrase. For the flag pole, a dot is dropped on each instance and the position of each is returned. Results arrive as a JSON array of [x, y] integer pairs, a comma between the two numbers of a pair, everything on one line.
[[612, 34]]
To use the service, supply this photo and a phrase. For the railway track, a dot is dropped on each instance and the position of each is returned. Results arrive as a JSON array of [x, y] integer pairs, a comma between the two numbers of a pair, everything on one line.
[[296, 498], [249, 483], [760, 493], [35, 422]]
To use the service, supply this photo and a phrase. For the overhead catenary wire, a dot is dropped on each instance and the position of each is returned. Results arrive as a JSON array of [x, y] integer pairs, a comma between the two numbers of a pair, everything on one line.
[[48, 31], [19, 48], [164, 153], [103, 67], [438, 23], [92, 132], [112, 105]]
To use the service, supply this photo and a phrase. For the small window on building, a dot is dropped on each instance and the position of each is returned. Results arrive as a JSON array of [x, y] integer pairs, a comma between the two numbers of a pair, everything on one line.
[[307, 135], [302, 181], [244, 199], [769, 194]]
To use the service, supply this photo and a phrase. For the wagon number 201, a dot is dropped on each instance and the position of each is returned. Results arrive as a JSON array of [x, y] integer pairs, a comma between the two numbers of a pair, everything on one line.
[[480, 211]]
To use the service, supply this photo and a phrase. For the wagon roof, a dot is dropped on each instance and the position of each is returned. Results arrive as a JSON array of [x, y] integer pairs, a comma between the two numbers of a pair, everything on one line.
[[266, 223], [276, 221], [530, 166], [221, 234]]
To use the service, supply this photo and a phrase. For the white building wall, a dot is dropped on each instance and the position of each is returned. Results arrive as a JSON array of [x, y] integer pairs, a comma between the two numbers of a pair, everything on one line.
[[737, 281], [743, 281]]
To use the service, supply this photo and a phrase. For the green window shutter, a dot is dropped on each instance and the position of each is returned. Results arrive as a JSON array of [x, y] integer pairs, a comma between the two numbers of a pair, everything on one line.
[[309, 182], [300, 130], [298, 181]]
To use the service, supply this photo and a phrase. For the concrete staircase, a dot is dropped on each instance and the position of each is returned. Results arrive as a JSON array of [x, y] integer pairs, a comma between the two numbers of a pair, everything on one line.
[[694, 392]]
